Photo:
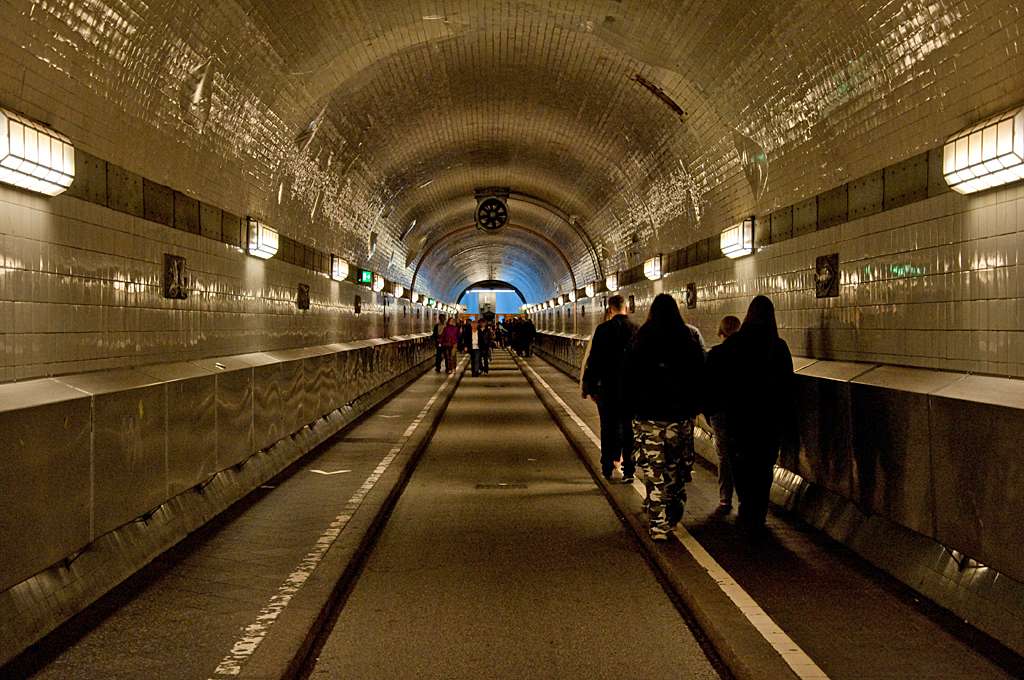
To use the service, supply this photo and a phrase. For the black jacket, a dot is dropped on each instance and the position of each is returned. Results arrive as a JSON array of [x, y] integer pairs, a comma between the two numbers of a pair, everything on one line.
[[753, 384], [603, 373], [663, 375]]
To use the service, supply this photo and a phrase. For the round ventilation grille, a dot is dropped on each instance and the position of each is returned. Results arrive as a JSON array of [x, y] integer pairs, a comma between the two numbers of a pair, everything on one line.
[[491, 215]]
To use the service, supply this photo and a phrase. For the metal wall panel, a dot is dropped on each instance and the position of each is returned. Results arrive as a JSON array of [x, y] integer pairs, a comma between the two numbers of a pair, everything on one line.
[[977, 428], [866, 195], [805, 217], [266, 405], [211, 221], [129, 446], [234, 409], [186, 213], [833, 207], [291, 384], [329, 377], [233, 230], [826, 427], [158, 203], [891, 443], [124, 191], [90, 179], [936, 176], [906, 182], [782, 224], [44, 472]]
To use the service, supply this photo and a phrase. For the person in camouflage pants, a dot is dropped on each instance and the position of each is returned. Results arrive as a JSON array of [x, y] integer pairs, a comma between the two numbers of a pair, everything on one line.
[[664, 452]]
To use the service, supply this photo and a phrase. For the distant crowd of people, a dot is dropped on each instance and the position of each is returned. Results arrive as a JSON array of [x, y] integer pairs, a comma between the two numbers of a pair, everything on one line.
[[651, 382], [478, 338]]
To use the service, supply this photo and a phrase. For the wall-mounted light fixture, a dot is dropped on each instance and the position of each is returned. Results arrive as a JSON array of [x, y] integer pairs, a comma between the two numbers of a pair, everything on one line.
[[378, 283], [572, 296], [738, 240], [399, 291], [590, 290], [339, 268], [263, 240], [612, 282], [415, 297], [34, 157], [987, 155], [652, 268]]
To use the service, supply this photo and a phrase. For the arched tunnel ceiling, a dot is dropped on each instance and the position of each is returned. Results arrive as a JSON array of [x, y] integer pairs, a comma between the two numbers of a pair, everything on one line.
[[626, 128]]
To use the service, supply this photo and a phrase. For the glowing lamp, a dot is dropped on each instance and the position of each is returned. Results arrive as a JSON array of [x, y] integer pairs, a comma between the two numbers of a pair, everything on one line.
[[378, 283], [399, 291], [612, 282], [34, 157], [263, 240], [738, 240], [339, 268], [590, 290], [987, 155], [652, 268]]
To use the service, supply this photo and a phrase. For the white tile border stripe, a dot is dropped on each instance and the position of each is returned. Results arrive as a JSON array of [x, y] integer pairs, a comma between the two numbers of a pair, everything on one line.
[[801, 664]]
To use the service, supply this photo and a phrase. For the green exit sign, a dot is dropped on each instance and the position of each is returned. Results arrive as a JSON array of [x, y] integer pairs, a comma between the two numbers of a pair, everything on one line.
[[365, 276]]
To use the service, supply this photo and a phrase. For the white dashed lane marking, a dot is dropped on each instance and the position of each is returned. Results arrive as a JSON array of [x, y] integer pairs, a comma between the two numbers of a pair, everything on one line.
[[256, 631]]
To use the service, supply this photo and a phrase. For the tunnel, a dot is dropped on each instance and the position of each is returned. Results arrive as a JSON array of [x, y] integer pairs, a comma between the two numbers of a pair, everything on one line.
[[228, 228]]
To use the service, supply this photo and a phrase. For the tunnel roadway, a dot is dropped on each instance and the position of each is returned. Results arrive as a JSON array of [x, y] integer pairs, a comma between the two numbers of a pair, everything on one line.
[[503, 556]]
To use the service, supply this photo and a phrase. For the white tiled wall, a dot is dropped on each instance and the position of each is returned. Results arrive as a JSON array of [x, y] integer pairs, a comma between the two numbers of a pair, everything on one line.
[[933, 284], [81, 289]]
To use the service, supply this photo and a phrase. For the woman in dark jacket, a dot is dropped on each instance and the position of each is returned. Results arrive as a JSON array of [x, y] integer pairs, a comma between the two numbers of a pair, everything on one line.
[[758, 405], [661, 385]]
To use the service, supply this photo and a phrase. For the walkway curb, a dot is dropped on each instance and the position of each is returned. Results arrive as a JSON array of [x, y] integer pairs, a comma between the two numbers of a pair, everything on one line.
[[740, 647], [283, 653]]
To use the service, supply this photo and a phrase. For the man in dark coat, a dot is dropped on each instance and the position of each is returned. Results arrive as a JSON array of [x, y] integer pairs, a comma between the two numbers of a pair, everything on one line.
[[602, 382]]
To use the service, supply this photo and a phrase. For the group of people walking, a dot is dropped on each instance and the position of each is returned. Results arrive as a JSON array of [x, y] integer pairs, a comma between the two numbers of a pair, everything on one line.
[[477, 338], [651, 382]]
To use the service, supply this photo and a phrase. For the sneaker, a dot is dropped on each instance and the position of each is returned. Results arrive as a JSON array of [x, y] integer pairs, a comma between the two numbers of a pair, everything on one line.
[[659, 537], [725, 503], [628, 479]]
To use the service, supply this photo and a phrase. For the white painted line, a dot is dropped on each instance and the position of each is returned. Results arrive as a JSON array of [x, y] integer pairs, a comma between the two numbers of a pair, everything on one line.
[[801, 664], [336, 472], [255, 632]]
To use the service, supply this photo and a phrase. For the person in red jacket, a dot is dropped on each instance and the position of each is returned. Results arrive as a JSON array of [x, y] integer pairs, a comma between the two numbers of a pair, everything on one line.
[[449, 339]]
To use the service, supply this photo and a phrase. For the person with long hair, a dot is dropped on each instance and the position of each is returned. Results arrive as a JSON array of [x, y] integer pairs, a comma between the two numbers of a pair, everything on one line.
[[662, 386], [758, 407], [715, 394]]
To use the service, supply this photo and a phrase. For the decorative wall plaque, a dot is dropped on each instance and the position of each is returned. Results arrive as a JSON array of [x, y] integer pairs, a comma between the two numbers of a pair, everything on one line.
[[175, 277], [691, 296], [826, 276], [303, 299]]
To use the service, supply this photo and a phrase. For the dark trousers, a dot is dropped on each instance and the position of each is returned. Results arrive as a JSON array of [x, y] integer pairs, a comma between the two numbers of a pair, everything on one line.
[[475, 354], [616, 437], [438, 359], [753, 469]]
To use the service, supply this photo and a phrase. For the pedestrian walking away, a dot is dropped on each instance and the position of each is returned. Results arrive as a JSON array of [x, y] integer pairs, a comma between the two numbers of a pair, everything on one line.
[[662, 385]]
